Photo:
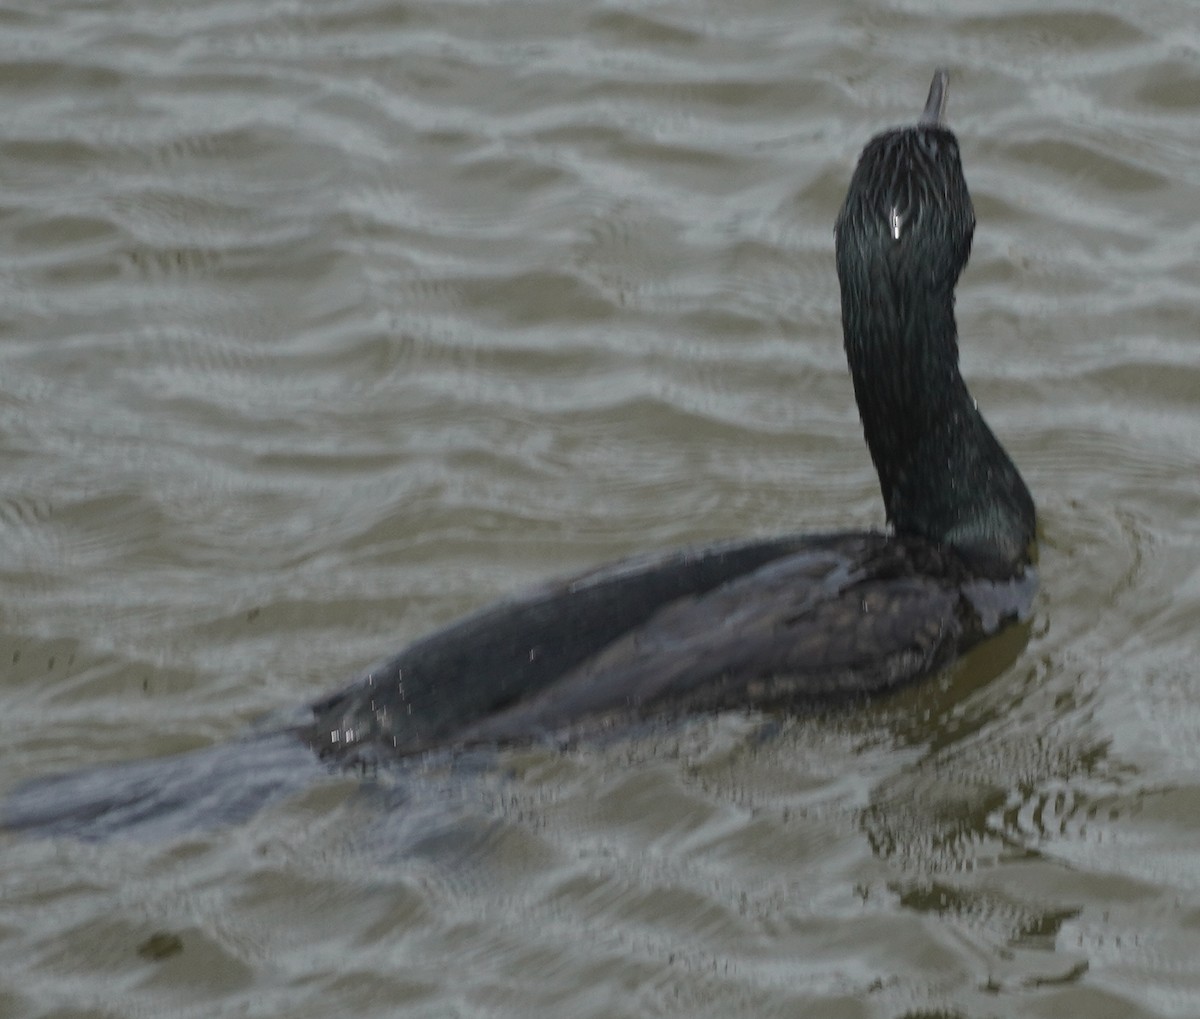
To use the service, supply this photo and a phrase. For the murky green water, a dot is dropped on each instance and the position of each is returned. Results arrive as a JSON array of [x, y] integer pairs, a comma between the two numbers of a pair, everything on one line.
[[322, 323]]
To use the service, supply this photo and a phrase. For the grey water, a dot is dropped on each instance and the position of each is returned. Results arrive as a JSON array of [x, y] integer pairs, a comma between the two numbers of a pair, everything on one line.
[[324, 323]]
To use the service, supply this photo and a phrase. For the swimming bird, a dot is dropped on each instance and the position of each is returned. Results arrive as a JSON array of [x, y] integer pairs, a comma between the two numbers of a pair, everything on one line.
[[783, 622], [773, 624]]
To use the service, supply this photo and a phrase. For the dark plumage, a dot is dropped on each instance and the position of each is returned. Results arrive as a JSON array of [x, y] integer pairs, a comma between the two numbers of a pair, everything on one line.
[[782, 622], [769, 624]]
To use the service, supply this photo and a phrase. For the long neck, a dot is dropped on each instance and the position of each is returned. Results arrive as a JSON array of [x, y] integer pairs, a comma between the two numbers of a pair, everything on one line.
[[944, 475]]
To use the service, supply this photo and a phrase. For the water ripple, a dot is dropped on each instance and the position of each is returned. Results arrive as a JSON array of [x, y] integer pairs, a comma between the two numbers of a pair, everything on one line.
[[326, 322]]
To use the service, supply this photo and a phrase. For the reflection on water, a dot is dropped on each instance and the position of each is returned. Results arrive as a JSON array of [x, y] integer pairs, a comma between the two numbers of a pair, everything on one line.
[[325, 323]]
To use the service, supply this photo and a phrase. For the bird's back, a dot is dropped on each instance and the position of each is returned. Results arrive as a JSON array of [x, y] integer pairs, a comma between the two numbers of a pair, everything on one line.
[[758, 624]]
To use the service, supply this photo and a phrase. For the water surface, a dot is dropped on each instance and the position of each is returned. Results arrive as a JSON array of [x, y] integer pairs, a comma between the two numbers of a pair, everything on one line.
[[323, 323]]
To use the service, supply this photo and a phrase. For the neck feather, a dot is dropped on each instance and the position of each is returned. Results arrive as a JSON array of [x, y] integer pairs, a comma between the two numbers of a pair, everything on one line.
[[943, 474]]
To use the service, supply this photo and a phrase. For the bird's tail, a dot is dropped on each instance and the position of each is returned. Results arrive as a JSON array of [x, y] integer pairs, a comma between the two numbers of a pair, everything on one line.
[[164, 797]]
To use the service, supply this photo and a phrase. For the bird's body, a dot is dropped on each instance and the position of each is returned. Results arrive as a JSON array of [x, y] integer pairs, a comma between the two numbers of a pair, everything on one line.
[[783, 622], [777, 624], [761, 624]]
